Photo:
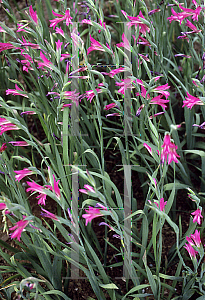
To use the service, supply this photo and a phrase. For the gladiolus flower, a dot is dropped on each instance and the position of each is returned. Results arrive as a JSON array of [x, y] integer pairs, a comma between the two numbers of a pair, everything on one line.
[[114, 72], [56, 188], [16, 92], [191, 101], [125, 43], [4, 207], [46, 62], [33, 14], [19, 143], [90, 94], [66, 17], [161, 204], [22, 173], [3, 121], [149, 149], [195, 237], [109, 106], [3, 147], [7, 127], [87, 188], [91, 214], [169, 149], [137, 22], [19, 227], [191, 250], [158, 100], [94, 46], [125, 84], [197, 215], [58, 45], [34, 187], [6, 46]]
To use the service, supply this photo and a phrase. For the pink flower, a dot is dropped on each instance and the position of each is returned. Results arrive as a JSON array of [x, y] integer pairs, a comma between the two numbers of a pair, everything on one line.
[[191, 250], [125, 84], [87, 188], [46, 62], [94, 46], [19, 143], [158, 100], [60, 31], [66, 17], [114, 72], [149, 149], [86, 21], [196, 238], [58, 45], [19, 227], [194, 13], [169, 149], [16, 92], [48, 214], [109, 106], [197, 215], [179, 17], [191, 101], [162, 90], [161, 204], [4, 207], [3, 147], [6, 46], [137, 22], [192, 27], [7, 127], [143, 93], [56, 188], [113, 115], [91, 214], [3, 121], [22, 173], [33, 14], [90, 94], [34, 187], [125, 43]]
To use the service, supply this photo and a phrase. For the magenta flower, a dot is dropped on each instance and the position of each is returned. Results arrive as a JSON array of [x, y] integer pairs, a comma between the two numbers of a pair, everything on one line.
[[3, 147], [56, 188], [66, 17], [143, 93], [169, 149], [22, 173], [3, 121], [33, 14], [86, 21], [161, 204], [7, 127], [6, 46], [113, 115], [34, 187], [194, 13], [46, 62], [109, 106], [58, 45], [192, 27], [60, 31], [90, 94], [162, 90], [94, 46], [191, 250], [158, 100], [196, 239], [197, 215], [4, 207], [48, 214], [19, 143], [191, 101], [125, 84], [149, 149], [91, 214], [143, 28], [114, 72], [179, 17], [16, 92], [87, 188], [125, 43], [19, 227]]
